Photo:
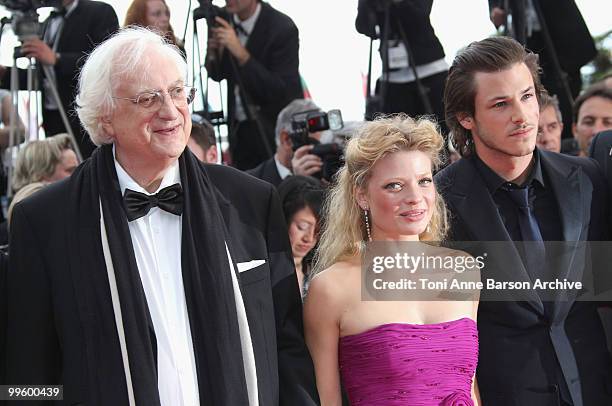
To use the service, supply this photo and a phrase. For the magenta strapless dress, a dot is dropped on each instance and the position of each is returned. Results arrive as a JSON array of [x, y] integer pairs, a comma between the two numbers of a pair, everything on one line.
[[411, 364]]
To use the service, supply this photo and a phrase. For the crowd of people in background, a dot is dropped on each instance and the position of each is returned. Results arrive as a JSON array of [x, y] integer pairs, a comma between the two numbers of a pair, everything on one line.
[[163, 270]]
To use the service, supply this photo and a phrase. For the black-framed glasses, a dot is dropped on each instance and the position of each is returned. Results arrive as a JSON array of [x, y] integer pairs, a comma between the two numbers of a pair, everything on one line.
[[181, 96]]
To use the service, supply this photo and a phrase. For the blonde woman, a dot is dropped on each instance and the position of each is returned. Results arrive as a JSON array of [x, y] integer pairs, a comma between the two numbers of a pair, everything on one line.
[[387, 352], [47, 160]]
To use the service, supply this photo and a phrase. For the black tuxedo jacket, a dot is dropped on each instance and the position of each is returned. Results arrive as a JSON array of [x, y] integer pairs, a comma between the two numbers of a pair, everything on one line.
[[267, 171], [570, 35], [85, 27], [270, 77], [526, 353], [48, 340]]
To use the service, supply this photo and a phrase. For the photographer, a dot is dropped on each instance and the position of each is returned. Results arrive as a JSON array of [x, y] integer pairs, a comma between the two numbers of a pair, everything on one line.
[[257, 52], [413, 52], [68, 37], [285, 162]]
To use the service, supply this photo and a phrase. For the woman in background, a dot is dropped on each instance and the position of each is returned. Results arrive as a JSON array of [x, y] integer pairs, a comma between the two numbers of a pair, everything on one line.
[[301, 199], [153, 14], [47, 160], [412, 352]]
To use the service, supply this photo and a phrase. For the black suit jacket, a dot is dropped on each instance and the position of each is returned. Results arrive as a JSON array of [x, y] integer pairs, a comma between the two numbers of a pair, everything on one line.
[[52, 340], [270, 77], [524, 353], [601, 145], [84, 28], [570, 35], [267, 171]]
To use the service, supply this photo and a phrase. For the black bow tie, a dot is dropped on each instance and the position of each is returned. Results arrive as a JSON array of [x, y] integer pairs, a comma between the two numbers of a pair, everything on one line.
[[138, 204]]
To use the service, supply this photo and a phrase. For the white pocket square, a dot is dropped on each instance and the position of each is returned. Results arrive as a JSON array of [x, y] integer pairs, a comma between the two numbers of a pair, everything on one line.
[[247, 266]]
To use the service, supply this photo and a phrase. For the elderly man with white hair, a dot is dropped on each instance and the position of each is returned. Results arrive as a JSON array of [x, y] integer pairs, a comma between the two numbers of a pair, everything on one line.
[[166, 281]]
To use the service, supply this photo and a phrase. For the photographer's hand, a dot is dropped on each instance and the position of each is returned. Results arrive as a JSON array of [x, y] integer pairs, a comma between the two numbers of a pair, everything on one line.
[[304, 163], [226, 36], [36, 48]]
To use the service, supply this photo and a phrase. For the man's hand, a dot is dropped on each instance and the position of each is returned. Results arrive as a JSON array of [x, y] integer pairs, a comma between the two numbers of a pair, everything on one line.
[[498, 16], [225, 36], [304, 163], [35, 48]]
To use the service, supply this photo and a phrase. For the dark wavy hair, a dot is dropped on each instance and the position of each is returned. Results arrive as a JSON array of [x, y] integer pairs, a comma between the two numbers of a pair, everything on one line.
[[299, 192], [489, 55]]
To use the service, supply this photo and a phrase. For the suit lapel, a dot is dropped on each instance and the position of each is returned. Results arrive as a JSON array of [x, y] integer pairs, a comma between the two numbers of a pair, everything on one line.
[[68, 34], [477, 211], [565, 183], [259, 35]]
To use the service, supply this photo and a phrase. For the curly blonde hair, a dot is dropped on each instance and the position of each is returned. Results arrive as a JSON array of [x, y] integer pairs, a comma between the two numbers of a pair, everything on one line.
[[344, 229]]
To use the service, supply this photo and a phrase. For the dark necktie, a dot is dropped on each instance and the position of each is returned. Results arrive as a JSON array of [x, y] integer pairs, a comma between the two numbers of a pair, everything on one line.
[[138, 204], [534, 252], [240, 29]]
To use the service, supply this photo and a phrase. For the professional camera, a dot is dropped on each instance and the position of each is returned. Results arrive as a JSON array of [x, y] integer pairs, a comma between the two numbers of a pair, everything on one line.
[[209, 11], [307, 122], [24, 19]]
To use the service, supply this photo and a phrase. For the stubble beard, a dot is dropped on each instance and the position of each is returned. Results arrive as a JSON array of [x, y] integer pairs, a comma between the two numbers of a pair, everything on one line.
[[516, 151]]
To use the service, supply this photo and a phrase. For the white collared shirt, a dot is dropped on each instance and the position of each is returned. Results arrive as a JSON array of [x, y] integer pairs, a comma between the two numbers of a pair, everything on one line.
[[247, 25], [283, 171], [156, 238]]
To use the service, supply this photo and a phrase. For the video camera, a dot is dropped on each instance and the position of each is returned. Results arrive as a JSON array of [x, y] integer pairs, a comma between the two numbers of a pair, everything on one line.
[[209, 12], [307, 122], [24, 19]]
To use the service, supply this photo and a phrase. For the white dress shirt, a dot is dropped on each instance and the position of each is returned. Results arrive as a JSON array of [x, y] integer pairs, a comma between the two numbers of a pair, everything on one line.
[[283, 171], [156, 238]]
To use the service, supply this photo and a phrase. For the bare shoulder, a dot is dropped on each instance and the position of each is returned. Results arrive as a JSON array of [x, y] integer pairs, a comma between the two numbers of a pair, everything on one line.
[[333, 285], [446, 252]]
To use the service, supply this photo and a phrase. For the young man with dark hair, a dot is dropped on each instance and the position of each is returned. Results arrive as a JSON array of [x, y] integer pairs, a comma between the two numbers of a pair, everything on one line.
[[572, 42], [535, 349], [592, 114]]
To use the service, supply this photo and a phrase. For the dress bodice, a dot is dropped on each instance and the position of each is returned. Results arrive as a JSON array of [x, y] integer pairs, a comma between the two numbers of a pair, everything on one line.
[[411, 364]]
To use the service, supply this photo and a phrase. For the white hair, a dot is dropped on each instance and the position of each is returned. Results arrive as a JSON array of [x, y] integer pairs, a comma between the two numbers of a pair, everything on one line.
[[121, 57], [283, 121]]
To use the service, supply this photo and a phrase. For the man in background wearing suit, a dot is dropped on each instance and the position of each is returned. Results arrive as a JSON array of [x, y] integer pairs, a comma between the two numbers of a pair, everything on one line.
[[68, 37], [258, 55], [157, 280], [601, 151], [533, 351], [285, 162]]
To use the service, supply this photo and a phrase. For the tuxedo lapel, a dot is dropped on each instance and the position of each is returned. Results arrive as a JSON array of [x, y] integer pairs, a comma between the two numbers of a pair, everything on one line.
[[474, 206]]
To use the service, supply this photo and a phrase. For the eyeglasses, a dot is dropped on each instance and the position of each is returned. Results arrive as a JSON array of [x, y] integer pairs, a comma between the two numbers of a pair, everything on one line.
[[182, 96]]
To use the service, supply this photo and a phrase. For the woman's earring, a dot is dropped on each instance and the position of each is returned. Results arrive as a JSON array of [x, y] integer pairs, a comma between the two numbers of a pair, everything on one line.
[[366, 215]]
